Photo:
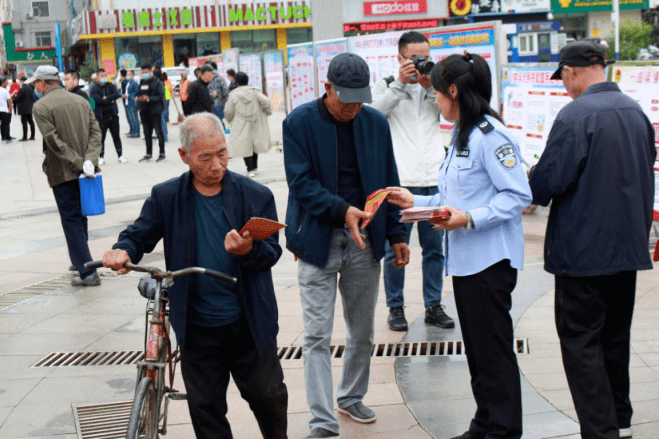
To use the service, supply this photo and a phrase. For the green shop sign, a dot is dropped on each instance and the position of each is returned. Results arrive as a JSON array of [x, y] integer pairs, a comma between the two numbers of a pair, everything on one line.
[[581, 6], [274, 12], [14, 55]]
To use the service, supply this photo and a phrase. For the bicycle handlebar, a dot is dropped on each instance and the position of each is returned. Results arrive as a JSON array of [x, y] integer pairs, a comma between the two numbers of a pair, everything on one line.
[[155, 272]]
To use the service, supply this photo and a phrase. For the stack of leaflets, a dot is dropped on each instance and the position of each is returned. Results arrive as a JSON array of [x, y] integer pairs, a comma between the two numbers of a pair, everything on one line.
[[415, 214]]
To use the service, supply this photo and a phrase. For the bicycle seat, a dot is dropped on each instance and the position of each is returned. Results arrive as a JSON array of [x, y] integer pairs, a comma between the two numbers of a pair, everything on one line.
[[147, 287]]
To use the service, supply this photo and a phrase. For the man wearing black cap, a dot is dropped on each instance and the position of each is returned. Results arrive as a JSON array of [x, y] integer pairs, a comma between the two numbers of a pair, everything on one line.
[[597, 172], [336, 153]]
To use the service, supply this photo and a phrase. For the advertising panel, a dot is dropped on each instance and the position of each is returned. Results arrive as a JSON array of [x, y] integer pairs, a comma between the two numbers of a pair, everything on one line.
[[459, 8], [325, 51], [273, 64], [251, 64], [230, 59], [301, 74], [583, 6], [380, 52], [355, 11]]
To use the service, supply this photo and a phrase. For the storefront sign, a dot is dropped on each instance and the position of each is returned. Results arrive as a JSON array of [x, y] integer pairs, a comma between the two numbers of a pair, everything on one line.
[[16, 55], [109, 66], [395, 7], [376, 26], [195, 17], [461, 8], [581, 6]]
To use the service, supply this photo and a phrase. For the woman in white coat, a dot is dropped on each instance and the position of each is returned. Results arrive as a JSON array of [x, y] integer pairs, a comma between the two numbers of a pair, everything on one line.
[[247, 110]]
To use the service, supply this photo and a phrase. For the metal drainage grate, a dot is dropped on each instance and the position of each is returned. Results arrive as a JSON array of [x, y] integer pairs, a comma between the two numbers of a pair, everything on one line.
[[102, 421], [411, 349], [113, 358], [14, 297]]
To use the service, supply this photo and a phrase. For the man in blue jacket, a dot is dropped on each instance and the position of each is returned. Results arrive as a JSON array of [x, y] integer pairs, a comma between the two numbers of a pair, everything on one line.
[[223, 330], [597, 172], [336, 153], [107, 113]]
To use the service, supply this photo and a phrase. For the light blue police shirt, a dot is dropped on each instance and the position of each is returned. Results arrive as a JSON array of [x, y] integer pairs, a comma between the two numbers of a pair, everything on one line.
[[492, 186]]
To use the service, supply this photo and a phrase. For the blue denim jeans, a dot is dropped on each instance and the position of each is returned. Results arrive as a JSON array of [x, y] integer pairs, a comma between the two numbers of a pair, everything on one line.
[[219, 112], [432, 265], [165, 119], [358, 277], [133, 118]]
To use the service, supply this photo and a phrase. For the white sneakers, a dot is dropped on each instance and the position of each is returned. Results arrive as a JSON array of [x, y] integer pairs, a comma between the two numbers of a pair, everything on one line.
[[101, 161], [122, 159], [625, 432]]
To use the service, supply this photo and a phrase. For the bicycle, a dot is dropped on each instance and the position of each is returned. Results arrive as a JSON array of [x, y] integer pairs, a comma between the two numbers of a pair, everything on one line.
[[148, 416]]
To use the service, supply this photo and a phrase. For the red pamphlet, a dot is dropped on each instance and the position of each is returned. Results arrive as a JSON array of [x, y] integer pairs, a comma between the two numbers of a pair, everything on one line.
[[373, 203], [261, 228], [432, 214]]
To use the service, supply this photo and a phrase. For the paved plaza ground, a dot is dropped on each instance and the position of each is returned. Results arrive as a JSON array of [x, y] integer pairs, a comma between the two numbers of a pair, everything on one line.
[[414, 396]]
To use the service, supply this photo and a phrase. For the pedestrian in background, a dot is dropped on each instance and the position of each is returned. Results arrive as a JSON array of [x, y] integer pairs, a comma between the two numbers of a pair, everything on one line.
[[132, 89], [105, 96], [71, 83], [164, 119], [123, 83], [597, 172], [231, 77], [199, 99], [219, 92], [150, 103], [73, 139], [13, 91], [336, 152], [408, 101], [5, 110], [247, 110], [24, 102], [483, 186], [183, 91]]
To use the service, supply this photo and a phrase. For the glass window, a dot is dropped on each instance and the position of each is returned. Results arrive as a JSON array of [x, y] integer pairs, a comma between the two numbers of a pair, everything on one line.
[[522, 43], [254, 41], [40, 9], [133, 52], [531, 41], [299, 35], [208, 43], [43, 39], [126, 51], [150, 50], [185, 47]]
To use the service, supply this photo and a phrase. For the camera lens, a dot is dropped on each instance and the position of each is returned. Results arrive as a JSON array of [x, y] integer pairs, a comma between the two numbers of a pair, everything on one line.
[[423, 64]]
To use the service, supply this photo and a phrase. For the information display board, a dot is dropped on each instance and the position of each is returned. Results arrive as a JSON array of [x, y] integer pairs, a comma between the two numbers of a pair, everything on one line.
[[230, 59], [476, 40], [273, 64], [641, 84], [324, 52], [531, 102], [380, 52], [251, 64], [301, 74]]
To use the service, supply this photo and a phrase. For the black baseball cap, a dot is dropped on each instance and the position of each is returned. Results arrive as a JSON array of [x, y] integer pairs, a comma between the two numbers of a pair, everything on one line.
[[350, 76], [579, 54]]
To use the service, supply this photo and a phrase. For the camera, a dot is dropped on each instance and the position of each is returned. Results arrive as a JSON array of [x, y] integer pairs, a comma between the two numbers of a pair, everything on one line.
[[423, 64]]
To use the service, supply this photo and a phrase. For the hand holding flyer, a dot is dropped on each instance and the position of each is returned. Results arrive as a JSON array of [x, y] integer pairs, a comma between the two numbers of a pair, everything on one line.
[[261, 228], [432, 214], [373, 203]]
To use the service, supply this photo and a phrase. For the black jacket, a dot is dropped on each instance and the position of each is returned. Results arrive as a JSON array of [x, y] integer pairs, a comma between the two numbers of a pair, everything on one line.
[[597, 170], [79, 92], [199, 99], [169, 214], [155, 90], [24, 99], [111, 95]]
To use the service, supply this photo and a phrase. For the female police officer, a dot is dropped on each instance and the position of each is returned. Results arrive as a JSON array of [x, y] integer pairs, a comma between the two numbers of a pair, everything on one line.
[[483, 186]]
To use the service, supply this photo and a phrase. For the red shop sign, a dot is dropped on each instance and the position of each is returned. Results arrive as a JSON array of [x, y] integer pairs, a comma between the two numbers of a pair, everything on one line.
[[387, 7]]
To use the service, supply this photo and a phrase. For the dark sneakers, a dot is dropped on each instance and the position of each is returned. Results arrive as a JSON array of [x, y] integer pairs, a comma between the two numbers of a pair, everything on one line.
[[146, 158], [321, 432], [359, 412], [435, 315], [467, 435], [93, 280], [396, 319], [161, 158]]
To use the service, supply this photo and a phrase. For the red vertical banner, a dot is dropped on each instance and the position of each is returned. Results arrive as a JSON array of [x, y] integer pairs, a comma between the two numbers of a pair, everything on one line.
[[109, 66]]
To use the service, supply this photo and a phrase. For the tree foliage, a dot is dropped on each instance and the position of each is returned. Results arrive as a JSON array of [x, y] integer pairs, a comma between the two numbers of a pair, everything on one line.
[[633, 36]]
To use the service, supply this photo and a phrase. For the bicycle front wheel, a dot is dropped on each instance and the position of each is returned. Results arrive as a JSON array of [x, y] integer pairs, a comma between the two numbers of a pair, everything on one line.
[[143, 422]]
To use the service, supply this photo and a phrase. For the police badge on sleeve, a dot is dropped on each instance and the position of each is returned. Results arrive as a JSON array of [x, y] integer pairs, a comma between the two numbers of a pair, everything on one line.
[[506, 156]]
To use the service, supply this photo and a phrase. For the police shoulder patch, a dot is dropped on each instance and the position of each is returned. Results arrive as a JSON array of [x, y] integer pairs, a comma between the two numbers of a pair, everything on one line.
[[506, 156]]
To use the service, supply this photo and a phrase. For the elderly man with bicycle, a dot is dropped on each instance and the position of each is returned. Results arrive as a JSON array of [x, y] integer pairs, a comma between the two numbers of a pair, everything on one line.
[[222, 329]]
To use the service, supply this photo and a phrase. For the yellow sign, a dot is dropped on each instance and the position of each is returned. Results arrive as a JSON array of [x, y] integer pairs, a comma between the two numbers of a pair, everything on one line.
[[460, 7], [595, 33]]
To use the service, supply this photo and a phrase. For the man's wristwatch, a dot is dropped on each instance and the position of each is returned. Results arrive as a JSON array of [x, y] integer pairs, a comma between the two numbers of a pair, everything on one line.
[[470, 222]]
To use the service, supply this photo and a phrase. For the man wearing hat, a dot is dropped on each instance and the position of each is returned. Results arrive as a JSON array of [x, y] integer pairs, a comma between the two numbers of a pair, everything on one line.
[[336, 153], [596, 171], [73, 144]]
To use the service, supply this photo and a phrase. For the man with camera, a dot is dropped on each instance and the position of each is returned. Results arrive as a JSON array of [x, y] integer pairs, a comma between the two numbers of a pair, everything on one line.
[[407, 99]]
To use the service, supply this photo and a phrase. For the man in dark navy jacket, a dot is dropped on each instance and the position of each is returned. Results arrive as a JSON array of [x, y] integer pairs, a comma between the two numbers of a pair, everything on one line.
[[107, 113], [597, 172], [336, 153], [222, 329]]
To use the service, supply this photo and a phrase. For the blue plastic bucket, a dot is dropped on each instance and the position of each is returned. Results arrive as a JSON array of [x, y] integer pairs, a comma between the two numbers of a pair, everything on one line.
[[92, 199]]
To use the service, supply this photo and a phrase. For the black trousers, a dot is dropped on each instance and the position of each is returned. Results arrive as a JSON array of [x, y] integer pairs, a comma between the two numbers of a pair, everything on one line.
[[483, 301], [26, 119], [151, 122], [5, 121], [209, 356], [593, 320], [67, 197], [111, 122], [252, 162]]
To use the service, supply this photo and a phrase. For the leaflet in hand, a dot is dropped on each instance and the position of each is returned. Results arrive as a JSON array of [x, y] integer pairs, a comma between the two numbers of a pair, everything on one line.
[[261, 228], [415, 214], [373, 203]]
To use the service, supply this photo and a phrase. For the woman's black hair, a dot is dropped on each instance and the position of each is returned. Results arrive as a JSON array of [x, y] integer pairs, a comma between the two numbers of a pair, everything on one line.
[[471, 75]]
